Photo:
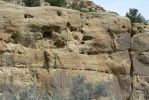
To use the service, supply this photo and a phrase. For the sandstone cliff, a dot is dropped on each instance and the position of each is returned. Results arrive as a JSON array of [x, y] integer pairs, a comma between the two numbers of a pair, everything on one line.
[[82, 5], [51, 53]]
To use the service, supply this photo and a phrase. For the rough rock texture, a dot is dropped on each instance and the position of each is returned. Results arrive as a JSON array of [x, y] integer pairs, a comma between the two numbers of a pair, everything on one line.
[[51, 53], [82, 5], [21, 3], [140, 59]]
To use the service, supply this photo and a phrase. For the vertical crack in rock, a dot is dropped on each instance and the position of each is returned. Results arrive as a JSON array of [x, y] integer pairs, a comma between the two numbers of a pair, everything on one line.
[[46, 61], [2, 50], [114, 46], [112, 37], [131, 73], [131, 68], [1, 59], [58, 63], [131, 60]]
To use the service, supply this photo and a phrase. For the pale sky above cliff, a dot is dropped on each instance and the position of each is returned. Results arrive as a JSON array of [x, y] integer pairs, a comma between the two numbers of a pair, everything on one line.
[[122, 6]]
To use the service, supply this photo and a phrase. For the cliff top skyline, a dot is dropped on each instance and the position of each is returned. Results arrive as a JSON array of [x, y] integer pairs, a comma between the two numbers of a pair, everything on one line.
[[122, 6]]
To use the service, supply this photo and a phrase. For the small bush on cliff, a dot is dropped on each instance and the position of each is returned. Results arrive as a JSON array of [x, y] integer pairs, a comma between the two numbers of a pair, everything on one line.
[[32, 3], [101, 89], [31, 92], [92, 10], [79, 89], [58, 3], [85, 91], [135, 16]]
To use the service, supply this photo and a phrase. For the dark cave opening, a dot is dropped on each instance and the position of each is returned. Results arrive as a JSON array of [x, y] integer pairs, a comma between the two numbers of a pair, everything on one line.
[[47, 34], [47, 31], [26, 16]]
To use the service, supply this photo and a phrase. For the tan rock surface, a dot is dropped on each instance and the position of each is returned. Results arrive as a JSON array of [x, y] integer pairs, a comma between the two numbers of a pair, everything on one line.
[[52, 52]]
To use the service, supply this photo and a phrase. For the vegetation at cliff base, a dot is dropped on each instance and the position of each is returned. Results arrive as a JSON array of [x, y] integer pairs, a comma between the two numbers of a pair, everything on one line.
[[86, 91]]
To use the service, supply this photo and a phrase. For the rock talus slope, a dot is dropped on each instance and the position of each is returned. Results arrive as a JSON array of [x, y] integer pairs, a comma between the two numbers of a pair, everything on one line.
[[51, 53]]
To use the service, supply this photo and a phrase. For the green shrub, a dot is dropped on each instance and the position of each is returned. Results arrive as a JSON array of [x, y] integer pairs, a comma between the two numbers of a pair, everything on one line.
[[135, 16], [76, 7], [101, 90], [80, 90], [32, 92], [58, 3], [85, 91], [32, 3], [92, 10]]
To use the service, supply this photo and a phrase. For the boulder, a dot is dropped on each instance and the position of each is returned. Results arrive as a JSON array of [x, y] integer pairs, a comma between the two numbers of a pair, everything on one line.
[[140, 42]]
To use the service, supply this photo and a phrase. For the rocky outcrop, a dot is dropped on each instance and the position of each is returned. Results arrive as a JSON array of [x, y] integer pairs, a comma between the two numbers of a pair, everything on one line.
[[84, 5], [81, 5], [140, 62], [21, 3], [50, 53]]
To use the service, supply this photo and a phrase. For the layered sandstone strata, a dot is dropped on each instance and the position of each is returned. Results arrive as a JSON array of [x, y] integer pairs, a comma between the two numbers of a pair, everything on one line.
[[51, 53]]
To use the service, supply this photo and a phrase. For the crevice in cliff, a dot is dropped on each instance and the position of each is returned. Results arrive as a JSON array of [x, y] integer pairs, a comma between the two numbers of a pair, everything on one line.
[[27, 16], [47, 31], [71, 27], [47, 34], [13, 38], [60, 43], [89, 70], [1, 59], [131, 68], [59, 13], [111, 33], [131, 73], [131, 60], [46, 62]]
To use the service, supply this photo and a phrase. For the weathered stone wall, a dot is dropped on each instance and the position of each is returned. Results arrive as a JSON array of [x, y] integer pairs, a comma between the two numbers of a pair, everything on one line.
[[49, 53]]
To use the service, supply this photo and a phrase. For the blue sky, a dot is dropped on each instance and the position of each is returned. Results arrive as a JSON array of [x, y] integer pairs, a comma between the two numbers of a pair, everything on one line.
[[122, 6]]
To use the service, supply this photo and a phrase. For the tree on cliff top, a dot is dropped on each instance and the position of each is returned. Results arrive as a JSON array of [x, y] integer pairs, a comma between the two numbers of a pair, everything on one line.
[[135, 16], [32, 3], [58, 3]]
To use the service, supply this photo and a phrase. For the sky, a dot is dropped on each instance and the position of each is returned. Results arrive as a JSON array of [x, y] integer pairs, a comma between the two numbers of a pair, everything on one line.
[[122, 6]]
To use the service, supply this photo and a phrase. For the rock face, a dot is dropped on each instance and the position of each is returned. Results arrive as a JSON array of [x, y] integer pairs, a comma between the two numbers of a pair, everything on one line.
[[82, 5], [51, 53], [21, 3], [140, 62]]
